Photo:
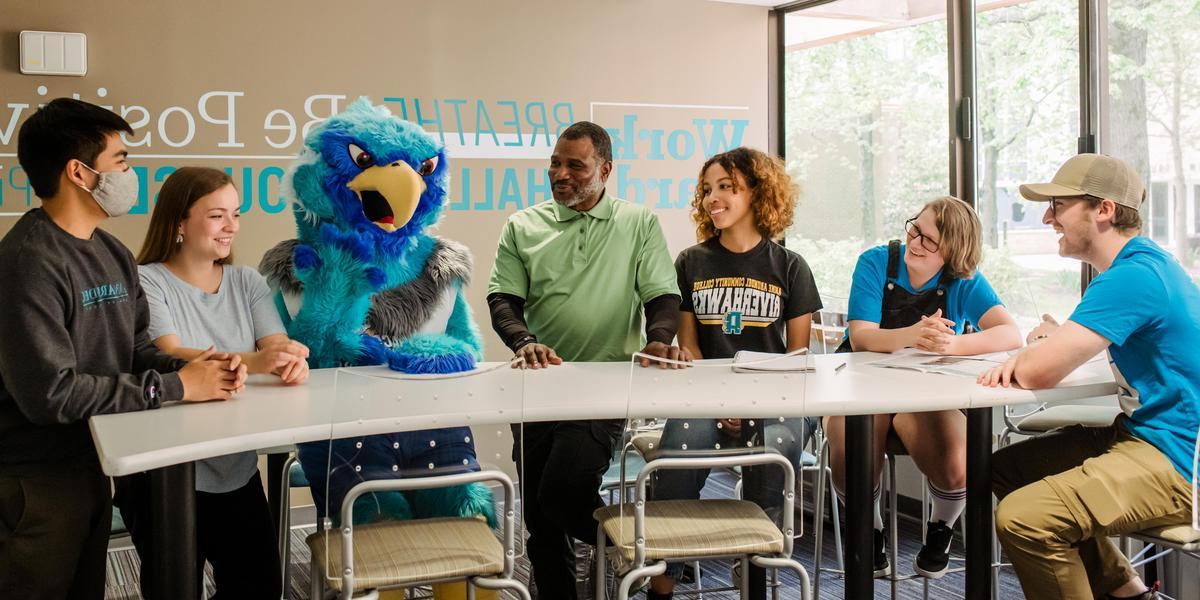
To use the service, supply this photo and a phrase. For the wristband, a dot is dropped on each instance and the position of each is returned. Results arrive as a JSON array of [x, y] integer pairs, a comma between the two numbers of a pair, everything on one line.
[[525, 339]]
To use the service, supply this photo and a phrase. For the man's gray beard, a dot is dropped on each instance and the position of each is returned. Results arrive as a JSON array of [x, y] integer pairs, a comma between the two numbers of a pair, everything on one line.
[[584, 194]]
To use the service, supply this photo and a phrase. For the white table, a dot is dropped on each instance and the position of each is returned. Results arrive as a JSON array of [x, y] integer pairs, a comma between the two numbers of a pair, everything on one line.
[[366, 400]]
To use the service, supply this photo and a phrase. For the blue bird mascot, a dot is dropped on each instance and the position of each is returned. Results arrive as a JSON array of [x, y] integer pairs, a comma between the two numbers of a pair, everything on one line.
[[366, 284]]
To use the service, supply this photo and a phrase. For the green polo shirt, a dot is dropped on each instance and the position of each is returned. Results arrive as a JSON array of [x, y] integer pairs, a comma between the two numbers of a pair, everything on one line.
[[585, 275]]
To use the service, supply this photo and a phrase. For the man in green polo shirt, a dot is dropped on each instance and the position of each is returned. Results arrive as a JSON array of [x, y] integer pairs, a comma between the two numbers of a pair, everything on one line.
[[571, 281]]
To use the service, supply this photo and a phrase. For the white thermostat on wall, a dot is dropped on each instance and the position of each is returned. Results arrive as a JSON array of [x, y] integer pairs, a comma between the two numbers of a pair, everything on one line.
[[53, 53]]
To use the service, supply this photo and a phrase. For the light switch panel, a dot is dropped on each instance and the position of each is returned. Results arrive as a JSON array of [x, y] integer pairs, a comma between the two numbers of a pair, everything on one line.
[[53, 53]]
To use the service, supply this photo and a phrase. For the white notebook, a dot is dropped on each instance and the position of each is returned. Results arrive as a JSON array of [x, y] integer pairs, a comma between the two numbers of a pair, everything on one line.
[[963, 366], [746, 361]]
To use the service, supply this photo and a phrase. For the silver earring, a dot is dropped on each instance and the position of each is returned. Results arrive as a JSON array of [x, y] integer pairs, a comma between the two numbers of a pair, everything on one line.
[[179, 239]]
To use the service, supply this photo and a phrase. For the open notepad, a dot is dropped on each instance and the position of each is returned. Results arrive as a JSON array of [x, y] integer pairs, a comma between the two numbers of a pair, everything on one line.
[[746, 361], [965, 366]]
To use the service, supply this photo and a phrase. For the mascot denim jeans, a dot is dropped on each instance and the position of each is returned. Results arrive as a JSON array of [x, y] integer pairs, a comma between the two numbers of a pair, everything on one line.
[[332, 468]]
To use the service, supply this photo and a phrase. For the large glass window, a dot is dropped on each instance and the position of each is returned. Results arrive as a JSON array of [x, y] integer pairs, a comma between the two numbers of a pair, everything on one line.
[[1027, 77], [1195, 210], [866, 131], [865, 127], [1151, 109]]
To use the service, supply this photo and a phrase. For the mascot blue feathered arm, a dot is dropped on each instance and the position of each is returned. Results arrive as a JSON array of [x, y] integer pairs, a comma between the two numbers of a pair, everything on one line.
[[364, 283]]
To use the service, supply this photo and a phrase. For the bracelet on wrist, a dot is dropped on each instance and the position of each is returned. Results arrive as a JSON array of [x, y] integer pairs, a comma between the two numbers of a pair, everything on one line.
[[524, 340]]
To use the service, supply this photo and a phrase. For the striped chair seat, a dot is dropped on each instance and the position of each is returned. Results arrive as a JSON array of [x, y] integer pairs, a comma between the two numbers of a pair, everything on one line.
[[1181, 535], [393, 553], [1065, 415], [693, 529]]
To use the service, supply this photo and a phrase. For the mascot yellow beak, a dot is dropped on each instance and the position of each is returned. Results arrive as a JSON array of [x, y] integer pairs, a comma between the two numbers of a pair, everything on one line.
[[389, 194]]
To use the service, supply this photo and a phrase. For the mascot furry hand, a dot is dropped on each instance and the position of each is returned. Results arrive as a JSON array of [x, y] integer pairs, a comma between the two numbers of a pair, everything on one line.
[[365, 284]]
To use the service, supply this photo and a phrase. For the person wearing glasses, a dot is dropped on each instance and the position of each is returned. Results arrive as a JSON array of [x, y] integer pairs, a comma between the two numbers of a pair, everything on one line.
[[1063, 494], [922, 294]]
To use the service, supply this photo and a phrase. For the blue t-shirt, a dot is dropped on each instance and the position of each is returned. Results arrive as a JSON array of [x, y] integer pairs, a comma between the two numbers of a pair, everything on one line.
[[966, 299], [1147, 306]]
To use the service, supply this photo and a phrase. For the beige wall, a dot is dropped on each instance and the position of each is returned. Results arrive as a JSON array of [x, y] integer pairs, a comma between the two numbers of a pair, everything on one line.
[[163, 63]]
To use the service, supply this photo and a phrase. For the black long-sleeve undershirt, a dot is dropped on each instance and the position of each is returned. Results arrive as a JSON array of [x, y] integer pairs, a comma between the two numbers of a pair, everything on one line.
[[508, 319]]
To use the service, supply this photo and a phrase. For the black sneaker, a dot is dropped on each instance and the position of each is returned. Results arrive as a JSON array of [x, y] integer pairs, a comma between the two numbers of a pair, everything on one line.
[[882, 567], [934, 558], [1150, 594], [879, 557]]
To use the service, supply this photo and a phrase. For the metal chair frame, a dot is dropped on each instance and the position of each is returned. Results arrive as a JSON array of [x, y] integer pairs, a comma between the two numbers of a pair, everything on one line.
[[715, 459], [508, 527]]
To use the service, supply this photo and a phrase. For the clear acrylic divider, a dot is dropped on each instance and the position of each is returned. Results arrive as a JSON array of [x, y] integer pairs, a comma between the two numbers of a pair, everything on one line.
[[730, 431], [829, 325], [389, 429], [574, 415]]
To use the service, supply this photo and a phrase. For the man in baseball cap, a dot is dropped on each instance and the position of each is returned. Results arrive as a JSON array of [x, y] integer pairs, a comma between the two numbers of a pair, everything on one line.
[[1057, 511]]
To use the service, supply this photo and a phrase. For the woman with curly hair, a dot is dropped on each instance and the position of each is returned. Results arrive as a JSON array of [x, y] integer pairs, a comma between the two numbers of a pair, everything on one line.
[[741, 290], [921, 294]]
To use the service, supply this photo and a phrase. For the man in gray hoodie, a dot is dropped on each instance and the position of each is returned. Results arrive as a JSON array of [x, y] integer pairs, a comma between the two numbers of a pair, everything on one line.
[[73, 344]]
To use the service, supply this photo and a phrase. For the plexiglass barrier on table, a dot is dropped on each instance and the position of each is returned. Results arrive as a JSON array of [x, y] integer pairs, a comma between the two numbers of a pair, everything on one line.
[[829, 324], [742, 418], [390, 429]]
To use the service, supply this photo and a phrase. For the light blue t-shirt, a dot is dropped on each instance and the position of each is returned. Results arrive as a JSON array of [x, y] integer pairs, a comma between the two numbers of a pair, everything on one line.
[[967, 300], [232, 320], [1147, 306]]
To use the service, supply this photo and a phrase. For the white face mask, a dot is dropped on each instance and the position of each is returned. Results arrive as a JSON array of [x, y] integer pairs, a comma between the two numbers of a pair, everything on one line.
[[116, 191]]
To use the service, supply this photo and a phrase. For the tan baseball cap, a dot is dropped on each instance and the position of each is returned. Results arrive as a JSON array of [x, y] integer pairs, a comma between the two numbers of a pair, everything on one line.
[[1096, 175]]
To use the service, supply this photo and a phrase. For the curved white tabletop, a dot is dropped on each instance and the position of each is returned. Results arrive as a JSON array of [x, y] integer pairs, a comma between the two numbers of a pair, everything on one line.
[[365, 400]]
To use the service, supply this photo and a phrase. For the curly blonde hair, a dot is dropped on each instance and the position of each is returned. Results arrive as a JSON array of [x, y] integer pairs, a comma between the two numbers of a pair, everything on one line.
[[773, 194]]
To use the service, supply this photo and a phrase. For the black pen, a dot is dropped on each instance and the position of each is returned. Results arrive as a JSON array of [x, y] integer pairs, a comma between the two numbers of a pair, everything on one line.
[[838, 369]]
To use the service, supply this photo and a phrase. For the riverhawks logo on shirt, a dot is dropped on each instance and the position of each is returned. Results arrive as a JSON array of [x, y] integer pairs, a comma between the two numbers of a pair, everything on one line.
[[734, 303], [733, 323], [104, 294]]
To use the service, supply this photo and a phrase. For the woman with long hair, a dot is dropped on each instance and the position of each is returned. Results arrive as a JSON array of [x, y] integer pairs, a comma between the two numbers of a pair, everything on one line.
[[741, 290], [199, 300]]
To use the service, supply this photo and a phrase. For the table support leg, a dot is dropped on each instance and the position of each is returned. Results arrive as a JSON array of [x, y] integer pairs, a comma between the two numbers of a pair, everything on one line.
[[860, 581], [173, 533], [979, 503], [276, 480], [275, 485]]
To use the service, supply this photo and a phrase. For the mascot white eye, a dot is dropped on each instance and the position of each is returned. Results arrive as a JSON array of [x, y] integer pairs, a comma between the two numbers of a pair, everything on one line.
[[361, 157], [428, 166]]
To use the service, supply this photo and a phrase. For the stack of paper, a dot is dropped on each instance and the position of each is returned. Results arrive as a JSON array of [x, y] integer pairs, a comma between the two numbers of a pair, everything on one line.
[[746, 361], [966, 366]]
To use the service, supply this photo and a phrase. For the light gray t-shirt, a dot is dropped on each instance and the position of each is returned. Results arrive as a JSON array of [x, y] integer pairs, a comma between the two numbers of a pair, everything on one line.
[[232, 320]]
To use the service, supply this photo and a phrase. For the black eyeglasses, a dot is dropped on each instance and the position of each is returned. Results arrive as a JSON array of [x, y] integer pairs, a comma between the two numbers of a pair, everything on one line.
[[1056, 202], [913, 231]]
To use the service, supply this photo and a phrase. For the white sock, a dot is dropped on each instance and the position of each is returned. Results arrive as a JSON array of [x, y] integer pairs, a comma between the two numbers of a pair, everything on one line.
[[948, 505], [878, 516], [878, 511]]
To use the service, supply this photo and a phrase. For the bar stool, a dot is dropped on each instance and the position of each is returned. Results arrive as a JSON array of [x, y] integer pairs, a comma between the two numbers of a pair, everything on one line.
[[1181, 537], [644, 446], [293, 477], [1044, 419], [894, 448], [648, 533], [1048, 418], [392, 554]]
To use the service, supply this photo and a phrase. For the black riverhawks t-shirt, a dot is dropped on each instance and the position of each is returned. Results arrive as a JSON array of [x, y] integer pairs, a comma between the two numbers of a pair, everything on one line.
[[742, 301]]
